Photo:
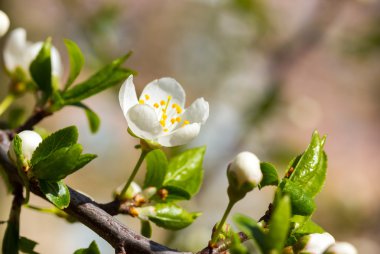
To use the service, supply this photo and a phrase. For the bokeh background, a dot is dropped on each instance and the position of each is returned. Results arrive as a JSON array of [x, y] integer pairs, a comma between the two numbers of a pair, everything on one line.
[[273, 71]]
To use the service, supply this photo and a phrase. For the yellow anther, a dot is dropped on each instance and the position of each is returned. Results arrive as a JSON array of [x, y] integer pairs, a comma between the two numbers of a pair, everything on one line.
[[162, 102], [172, 120], [169, 97], [186, 122], [166, 130], [178, 119], [164, 116], [162, 122], [147, 97], [175, 105], [179, 110], [156, 105], [141, 101]]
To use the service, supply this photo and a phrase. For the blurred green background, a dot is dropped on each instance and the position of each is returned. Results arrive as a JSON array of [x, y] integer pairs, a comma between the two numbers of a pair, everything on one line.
[[273, 71]]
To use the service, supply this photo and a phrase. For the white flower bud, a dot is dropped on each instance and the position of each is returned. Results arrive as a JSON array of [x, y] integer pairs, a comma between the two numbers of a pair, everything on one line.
[[316, 243], [246, 168], [133, 189], [30, 141], [4, 23], [341, 248]]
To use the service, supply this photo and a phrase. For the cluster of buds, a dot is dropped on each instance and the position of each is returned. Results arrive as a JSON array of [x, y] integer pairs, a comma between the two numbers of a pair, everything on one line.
[[322, 244]]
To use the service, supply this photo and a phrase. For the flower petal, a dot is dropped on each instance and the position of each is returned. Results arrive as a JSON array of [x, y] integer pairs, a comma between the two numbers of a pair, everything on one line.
[[14, 50], [143, 121], [160, 89], [197, 112], [32, 52], [127, 95], [180, 136]]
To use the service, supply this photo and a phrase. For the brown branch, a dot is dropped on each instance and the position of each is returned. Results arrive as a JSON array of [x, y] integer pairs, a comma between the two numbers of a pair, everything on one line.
[[37, 117]]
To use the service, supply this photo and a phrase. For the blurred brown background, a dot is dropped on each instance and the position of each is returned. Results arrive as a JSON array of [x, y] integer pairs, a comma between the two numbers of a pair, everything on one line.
[[273, 71]]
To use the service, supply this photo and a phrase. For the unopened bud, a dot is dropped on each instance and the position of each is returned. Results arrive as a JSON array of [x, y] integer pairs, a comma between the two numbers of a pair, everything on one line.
[[341, 248], [243, 174], [4, 23], [314, 243], [30, 141], [133, 189]]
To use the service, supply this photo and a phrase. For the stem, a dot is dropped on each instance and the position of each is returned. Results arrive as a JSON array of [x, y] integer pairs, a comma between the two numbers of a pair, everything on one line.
[[135, 170], [6, 102], [221, 223]]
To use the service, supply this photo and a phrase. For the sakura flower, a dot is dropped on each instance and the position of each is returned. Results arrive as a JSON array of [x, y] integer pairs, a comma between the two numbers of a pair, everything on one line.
[[159, 115], [4, 23], [19, 53]]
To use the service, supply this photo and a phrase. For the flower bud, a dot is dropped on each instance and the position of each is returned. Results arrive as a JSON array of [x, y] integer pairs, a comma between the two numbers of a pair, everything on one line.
[[341, 248], [4, 23], [30, 141], [314, 243], [243, 174]]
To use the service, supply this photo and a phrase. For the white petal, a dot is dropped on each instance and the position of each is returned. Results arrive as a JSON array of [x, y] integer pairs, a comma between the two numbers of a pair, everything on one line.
[[198, 111], [127, 95], [14, 50], [180, 136], [4, 23], [143, 121], [160, 89], [56, 63]]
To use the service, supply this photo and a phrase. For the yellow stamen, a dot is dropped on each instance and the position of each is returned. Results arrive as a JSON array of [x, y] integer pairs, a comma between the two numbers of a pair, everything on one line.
[[186, 122], [162, 122], [162, 102], [166, 130], [167, 103], [164, 116], [175, 105], [156, 105], [179, 110], [147, 97], [178, 119], [141, 101], [172, 120]]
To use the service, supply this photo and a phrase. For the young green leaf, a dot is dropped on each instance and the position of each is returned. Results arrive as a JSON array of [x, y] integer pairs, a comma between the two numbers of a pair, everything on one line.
[[310, 169], [251, 229], [63, 138], [27, 246], [278, 226], [157, 166], [92, 249], [11, 238], [40, 69], [270, 176], [185, 173], [59, 164], [108, 76], [301, 202], [171, 216], [56, 192], [300, 226], [236, 246], [92, 118], [76, 61], [146, 228]]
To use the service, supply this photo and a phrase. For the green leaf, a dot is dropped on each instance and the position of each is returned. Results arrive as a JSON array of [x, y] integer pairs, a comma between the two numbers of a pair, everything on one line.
[[92, 117], [92, 249], [40, 69], [310, 170], [76, 61], [270, 176], [17, 149], [59, 164], [278, 226], [63, 138], [108, 76], [300, 226], [56, 192], [250, 227], [236, 246], [11, 238], [146, 228], [185, 173], [171, 216], [301, 202], [157, 166], [27, 246]]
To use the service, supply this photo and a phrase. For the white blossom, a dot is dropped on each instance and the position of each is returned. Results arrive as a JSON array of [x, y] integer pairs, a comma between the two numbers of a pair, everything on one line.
[[158, 115], [341, 248], [18, 52], [317, 243], [4, 23], [246, 168], [30, 141]]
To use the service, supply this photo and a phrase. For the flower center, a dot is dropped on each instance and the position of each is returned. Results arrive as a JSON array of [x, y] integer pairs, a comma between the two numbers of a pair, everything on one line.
[[169, 113]]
